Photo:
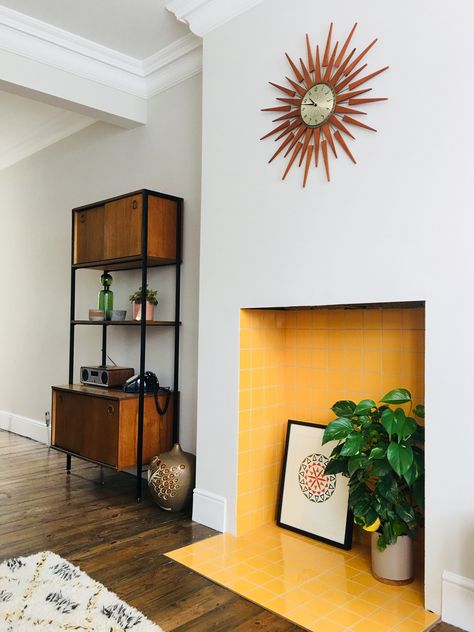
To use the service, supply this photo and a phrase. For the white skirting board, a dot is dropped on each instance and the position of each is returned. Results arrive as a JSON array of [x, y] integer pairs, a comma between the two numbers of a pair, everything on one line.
[[24, 426], [458, 601], [209, 509]]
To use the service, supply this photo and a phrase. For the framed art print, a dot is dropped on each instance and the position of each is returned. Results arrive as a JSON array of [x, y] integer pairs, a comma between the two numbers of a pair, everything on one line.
[[310, 502]]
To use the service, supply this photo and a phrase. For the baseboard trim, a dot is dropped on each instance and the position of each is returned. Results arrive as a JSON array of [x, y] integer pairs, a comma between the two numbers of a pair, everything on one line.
[[458, 601], [209, 509], [24, 426]]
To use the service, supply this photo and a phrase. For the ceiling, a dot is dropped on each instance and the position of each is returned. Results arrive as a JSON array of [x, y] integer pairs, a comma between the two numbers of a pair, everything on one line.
[[137, 28]]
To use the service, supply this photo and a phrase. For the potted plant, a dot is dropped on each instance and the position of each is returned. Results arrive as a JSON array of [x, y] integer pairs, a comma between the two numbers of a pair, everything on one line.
[[151, 301], [381, 450]]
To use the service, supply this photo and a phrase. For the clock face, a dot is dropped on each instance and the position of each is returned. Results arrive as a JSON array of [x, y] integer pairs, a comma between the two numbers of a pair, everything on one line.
[[318, 105]]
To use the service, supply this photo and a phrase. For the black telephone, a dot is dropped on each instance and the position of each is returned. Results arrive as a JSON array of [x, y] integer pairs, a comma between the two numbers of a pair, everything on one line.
[[152, 385]]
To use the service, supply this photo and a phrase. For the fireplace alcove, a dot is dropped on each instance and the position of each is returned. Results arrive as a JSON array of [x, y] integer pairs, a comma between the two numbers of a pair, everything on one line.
[[295, 362]]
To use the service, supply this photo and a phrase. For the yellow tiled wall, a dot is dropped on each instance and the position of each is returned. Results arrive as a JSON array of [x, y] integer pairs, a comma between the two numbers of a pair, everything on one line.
[[296, 364]]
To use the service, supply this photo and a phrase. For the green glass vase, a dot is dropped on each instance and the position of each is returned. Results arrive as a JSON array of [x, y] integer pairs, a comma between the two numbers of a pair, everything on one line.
[[106, 296]]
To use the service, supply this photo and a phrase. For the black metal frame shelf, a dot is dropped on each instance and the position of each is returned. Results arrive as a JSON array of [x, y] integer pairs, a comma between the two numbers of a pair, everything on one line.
[[136, 323], [142, 262]]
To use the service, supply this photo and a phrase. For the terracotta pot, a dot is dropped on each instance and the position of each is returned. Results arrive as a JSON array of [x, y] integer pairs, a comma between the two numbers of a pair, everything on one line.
[[395, 564], [171, 478], [137, 311]]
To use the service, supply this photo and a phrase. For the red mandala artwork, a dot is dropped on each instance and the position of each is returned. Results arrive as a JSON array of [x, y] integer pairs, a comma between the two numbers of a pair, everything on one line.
[[314, 484]]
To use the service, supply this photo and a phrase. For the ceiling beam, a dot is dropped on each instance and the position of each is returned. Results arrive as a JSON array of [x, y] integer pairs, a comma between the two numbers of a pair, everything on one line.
[[46, 63]]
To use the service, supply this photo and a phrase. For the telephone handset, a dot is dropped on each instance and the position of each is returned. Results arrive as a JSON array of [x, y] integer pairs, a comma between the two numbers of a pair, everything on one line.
[[152, 385]]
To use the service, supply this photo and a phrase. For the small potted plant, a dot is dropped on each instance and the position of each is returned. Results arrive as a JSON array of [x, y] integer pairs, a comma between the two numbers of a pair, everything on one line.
[[381, 450], [151, 301]]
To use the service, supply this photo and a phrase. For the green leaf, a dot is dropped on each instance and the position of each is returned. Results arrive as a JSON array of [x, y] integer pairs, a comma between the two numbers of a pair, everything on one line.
[[411, 474], [338, 466], [364, 407], [353, 444], [418, 490], [378, 452], [388, 488], [343, 408], [388, 421], [337, 429], [364, 508], [380, 468], [405, 512], [358, 462], [400, 457], [397, 396], [419, 411], [404, 426]]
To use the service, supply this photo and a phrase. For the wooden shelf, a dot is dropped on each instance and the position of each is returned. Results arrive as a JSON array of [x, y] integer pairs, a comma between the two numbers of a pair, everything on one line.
[[132, 323], [127, 263], [98, 391]]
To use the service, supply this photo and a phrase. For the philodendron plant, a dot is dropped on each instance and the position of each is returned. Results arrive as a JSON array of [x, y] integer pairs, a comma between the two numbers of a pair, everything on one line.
[[381, 450]]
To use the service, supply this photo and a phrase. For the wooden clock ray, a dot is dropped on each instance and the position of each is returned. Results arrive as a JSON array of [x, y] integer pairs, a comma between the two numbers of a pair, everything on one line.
[[316, 107]]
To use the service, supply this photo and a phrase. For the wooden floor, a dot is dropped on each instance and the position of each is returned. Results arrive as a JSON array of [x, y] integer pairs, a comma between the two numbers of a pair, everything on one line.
[[116, 540]]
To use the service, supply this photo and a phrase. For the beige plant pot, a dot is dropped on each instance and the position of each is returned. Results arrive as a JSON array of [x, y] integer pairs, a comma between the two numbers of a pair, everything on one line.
[[395, 564]]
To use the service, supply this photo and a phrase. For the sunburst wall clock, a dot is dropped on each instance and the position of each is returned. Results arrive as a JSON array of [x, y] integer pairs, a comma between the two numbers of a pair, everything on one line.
[[317, 106]]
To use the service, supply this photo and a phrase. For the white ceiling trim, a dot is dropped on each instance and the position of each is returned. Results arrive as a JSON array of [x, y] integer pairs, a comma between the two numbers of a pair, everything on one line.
[[41, 42], [203, 16], [61, 125]]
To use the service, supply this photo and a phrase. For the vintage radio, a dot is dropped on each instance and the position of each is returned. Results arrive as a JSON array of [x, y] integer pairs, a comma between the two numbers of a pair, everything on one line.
[[105, 375]]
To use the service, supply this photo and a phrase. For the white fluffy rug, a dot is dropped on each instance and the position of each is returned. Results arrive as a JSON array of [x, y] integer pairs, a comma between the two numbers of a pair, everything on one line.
[[46, 592]]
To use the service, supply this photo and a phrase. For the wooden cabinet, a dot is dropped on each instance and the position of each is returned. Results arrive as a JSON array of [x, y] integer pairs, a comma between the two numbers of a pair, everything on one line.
[[112, 232], [107, 426], [101, 425]]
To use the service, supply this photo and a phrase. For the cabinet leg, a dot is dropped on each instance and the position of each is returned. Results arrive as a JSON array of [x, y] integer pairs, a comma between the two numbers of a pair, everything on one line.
[[101, 476], [139, 488], [68, 463]]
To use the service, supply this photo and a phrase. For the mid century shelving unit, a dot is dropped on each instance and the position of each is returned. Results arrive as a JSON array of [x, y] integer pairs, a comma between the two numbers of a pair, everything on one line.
[[120, 430]]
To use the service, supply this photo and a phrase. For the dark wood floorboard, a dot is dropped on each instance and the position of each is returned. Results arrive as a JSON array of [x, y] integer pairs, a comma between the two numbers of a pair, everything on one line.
[[117, 541]]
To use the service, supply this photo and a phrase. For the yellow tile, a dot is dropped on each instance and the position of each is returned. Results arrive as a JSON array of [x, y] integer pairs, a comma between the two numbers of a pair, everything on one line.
[[372, 340], [245, 318], [245, 338], [424, 617], [373, 319], [373, 385], [304, 319], [324, 625], [244, 400], [353, 339], [375, 596], [244, 379], [372, 361], [354, 380], [336, 382], [344, 617], [367, 625], [353, 360], [245, 356], [336, 339], [241, 586], [336, 319], [320, 319], [391, 340], [408, 626], [354, 318], [360, 607], [391, 362], [336, 359], [338, 597], [392, 318]]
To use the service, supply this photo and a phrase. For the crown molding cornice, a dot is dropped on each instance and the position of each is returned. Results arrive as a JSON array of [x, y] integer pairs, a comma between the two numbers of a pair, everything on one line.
[[203, 16], [56, 48]]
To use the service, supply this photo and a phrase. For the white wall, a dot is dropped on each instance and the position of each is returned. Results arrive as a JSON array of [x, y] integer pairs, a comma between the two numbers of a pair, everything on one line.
[[397, 226], [35, 245]]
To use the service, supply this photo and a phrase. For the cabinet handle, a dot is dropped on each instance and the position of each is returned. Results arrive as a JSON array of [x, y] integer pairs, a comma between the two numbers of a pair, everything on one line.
[[134, 204], [110, 410], [82, 218]]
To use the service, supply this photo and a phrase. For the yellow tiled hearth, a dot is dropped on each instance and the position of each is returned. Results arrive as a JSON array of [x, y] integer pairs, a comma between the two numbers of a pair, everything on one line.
[[315, 585], [295, 364]]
